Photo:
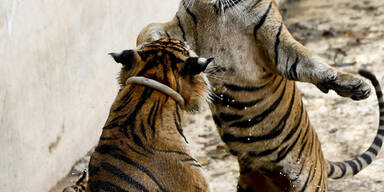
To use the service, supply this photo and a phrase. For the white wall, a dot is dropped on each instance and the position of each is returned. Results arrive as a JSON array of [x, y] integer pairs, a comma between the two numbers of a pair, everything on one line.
[[57, 81]]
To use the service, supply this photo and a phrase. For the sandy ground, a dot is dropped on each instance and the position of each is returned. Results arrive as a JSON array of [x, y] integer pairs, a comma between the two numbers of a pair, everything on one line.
[[344, 31]]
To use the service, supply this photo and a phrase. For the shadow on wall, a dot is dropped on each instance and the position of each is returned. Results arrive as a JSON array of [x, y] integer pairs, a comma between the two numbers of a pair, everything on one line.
[[57, 81]]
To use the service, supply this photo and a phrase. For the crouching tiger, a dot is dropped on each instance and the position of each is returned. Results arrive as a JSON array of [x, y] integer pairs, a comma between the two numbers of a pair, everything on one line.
[[256, 104], [142, 146]]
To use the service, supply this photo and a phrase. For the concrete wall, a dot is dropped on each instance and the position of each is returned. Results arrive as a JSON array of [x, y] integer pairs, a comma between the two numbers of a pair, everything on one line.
[[57, 81]]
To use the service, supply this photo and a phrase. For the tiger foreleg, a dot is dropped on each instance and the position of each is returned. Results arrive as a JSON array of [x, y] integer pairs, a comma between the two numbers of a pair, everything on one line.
[[152, 32], [315, 70], [291, 59]]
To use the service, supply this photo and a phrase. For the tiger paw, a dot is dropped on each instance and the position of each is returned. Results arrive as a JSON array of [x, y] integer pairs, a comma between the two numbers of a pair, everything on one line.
[[345, 85]]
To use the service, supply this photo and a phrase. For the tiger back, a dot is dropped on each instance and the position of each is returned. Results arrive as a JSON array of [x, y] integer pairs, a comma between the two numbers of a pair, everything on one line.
[[142, 146]]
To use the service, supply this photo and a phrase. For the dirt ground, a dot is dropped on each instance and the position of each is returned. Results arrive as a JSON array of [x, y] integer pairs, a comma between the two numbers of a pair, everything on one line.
[[344, 31]]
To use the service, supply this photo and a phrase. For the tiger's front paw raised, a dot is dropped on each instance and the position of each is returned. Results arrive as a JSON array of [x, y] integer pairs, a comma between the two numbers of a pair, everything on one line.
[[346, 85]]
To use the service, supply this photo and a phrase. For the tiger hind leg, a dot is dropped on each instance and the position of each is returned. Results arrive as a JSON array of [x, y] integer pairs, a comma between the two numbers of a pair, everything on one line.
[[258, 181]]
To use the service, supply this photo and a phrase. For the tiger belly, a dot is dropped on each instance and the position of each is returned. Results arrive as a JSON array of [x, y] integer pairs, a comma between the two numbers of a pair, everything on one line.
[[267, 128]]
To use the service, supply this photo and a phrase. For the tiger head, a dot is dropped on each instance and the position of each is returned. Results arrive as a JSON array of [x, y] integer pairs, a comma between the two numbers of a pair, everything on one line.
[[170, 62]]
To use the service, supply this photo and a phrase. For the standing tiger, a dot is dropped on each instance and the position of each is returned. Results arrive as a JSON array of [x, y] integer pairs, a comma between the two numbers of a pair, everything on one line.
[[142, 146], [256, 105]]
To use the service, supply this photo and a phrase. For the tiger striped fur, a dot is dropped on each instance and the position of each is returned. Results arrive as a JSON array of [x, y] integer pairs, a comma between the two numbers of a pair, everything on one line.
[[142, 146], [256, 105], [81, 184]]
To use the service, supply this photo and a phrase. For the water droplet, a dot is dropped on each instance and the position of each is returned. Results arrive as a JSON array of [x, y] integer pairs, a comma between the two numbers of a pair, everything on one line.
[[245, 108], [227, 106], [248, 139], [249, 120], [233, 100]]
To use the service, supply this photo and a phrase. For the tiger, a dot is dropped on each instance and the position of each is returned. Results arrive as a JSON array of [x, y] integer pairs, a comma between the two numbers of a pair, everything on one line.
[[142, 146], [256, 105], [81, 184]]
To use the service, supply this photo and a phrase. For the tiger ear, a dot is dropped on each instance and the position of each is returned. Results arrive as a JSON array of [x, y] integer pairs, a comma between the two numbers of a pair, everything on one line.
[[195, 65], [126, 58]]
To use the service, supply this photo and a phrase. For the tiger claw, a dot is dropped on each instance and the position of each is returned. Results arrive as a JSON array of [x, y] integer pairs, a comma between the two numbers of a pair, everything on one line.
[[346, 85], [323, 88]]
